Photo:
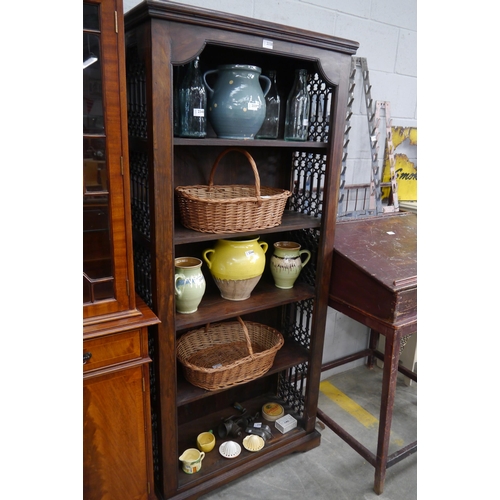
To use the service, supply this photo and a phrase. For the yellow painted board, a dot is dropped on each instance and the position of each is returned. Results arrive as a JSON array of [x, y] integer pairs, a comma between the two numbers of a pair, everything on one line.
[[406, 171]]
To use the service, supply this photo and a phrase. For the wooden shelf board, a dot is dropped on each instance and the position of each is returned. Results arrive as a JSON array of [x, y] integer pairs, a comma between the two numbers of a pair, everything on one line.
[[214, 464], [214, 308], [289, 355], [215, 141], [291, 221]]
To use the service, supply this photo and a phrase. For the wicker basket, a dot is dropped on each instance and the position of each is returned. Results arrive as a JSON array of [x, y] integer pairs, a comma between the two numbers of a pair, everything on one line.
[[228, 354], [233, 208]]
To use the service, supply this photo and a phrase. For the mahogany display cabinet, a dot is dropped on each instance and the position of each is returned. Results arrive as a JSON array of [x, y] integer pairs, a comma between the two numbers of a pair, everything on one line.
[[117, 443], [161, 39]]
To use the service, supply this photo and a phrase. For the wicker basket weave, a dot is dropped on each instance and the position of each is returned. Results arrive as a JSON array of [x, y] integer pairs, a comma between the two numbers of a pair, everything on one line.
[[232, 208], [228, 354]]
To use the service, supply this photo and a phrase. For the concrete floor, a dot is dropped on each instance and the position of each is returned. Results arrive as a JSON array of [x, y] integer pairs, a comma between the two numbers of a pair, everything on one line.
[[334, 470]]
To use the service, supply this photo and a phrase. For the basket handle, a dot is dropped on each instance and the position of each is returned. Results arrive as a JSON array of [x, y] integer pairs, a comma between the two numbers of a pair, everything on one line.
[[252, 164], [245, 331]]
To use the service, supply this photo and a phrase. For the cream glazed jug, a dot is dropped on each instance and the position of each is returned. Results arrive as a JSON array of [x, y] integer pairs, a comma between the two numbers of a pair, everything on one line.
[[287, 262]]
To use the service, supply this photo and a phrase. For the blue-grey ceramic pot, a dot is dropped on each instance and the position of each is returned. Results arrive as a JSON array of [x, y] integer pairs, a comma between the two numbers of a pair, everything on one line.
[[236, 103]]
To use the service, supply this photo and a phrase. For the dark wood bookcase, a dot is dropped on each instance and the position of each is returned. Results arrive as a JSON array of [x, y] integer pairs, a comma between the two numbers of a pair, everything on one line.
[[162, 37]]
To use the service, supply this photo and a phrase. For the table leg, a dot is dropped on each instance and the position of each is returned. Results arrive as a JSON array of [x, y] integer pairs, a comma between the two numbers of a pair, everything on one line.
[[390, 374], [374, 336]]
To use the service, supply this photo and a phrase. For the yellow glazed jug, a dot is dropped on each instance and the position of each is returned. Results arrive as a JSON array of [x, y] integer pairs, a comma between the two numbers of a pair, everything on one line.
[[236, 265]]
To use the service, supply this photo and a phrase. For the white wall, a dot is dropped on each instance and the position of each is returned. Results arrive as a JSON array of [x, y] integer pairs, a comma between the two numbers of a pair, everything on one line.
[[387, 33]]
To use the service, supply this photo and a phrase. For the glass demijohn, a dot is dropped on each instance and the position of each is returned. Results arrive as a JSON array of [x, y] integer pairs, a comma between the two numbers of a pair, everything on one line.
[[297, 109], [193, 103]]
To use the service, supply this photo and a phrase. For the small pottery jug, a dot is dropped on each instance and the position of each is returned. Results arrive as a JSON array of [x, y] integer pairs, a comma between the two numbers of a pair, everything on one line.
[[191, 460], [205, 441], [236, 265], [189, 284], [236, 104], [286, 263]]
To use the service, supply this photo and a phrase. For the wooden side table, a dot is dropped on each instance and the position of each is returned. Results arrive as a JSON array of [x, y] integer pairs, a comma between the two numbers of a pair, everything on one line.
[[374, 281]]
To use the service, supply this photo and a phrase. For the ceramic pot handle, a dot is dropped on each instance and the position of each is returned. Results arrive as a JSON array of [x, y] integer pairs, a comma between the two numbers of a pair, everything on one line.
[[267, 86], [178, 277], [205, 257], [209, 72], [305, 252]]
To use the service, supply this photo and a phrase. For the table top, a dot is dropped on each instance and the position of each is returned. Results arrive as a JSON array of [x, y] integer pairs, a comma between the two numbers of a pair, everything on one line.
[[384, 247]]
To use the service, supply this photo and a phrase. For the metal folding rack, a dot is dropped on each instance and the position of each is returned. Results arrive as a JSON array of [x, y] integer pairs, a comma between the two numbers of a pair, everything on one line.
[[362, 200]]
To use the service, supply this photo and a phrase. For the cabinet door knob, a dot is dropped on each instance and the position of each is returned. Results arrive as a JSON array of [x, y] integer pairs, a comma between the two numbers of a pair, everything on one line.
[[86, 357]]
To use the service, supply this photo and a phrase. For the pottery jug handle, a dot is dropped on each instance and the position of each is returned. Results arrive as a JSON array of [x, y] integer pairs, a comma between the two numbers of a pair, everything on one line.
[[206, 259], [267, 86], [305, 252], [202, 455], [178, 291], [209, 72], [264, 245]]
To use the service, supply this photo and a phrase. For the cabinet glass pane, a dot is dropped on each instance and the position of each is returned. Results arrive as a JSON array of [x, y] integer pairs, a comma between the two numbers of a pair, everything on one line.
[[93, 119], [98, 280], [90, 17]]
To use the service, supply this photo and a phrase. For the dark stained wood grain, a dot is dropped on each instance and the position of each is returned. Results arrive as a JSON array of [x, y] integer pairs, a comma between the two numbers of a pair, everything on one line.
[[375, 266], [163, 35]]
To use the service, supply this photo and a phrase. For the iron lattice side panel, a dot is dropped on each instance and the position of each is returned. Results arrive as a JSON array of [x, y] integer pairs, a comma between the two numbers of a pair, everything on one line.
[[308, 182], [137, 129], [136, 96], [139, 174], [319, 114], [139, 194], [141, 225], [143, 273], [143, 286], [297, 325], [291, 387], [307, 186], [155, 404]]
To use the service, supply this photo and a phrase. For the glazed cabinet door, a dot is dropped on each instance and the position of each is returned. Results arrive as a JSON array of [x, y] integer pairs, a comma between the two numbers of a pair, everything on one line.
[[107, 269], [115, 444]]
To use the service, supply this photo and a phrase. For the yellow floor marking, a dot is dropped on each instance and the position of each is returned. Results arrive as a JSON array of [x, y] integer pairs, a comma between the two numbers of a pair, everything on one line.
[[351, 407], [348, 405]]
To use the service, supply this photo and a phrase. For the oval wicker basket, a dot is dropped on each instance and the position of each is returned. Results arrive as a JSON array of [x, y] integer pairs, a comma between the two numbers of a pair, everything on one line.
[[227, 354], [231, 208]]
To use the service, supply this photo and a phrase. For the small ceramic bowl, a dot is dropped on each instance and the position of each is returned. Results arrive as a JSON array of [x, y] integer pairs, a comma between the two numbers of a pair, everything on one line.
[[205, 441]]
